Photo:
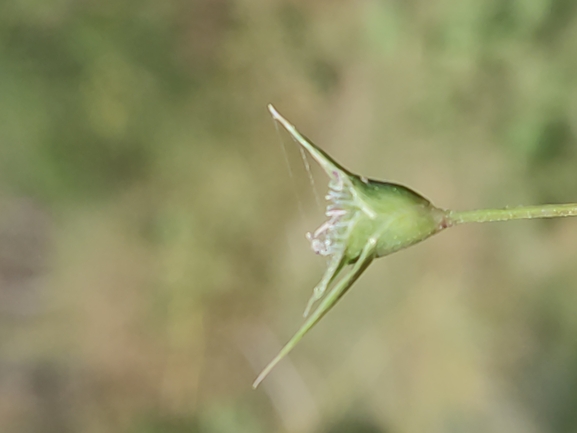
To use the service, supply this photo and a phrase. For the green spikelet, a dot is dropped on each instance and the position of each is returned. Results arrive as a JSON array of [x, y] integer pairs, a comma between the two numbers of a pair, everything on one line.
[[366, 219]]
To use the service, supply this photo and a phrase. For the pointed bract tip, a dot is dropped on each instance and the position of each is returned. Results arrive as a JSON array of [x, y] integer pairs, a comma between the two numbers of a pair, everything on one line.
[[279, 118], [273, 111], [257, 382], [263, 374]]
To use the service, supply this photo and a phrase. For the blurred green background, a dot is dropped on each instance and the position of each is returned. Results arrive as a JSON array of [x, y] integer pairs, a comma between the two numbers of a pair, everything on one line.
[[152, 249]]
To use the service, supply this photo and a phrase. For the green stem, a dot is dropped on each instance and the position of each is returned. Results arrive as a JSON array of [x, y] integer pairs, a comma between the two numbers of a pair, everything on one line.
[[523, 212]]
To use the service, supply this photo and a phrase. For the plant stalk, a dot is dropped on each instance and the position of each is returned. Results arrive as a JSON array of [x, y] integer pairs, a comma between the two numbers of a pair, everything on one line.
[[507, 214]]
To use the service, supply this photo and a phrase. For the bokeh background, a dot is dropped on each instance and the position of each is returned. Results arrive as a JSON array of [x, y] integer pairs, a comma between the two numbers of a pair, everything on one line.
[[152, 249]]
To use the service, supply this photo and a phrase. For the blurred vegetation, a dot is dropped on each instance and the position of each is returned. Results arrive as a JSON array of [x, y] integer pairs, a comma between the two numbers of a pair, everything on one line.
[[152, 256]]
